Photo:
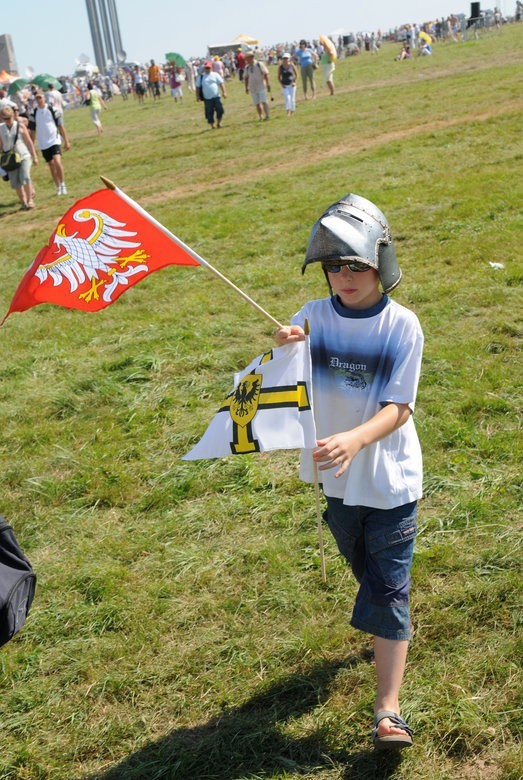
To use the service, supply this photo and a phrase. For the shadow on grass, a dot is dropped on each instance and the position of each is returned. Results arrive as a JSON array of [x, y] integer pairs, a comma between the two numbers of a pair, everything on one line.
[[250, 741], [7, 209]]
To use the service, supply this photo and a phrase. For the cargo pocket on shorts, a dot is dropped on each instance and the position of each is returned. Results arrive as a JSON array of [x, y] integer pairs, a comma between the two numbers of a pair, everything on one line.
[[391, 548]]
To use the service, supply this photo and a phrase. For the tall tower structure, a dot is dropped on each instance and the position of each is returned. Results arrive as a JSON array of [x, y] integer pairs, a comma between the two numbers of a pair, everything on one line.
[[7, 55], [105, 33]]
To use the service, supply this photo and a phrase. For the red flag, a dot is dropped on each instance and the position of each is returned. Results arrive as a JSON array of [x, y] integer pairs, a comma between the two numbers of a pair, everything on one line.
[[101, 247]]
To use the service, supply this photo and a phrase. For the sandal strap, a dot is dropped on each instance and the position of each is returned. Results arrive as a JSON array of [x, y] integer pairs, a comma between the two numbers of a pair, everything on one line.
[[394, 718]]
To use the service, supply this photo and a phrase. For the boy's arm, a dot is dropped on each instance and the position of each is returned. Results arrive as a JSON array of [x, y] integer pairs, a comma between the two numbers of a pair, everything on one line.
[[340, 449]]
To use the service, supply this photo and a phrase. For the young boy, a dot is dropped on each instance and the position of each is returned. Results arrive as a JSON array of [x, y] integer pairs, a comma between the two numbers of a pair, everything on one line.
[[366, 354]]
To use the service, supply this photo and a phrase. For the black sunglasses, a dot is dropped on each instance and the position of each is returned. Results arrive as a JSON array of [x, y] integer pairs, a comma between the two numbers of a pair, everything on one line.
[[353, 265]]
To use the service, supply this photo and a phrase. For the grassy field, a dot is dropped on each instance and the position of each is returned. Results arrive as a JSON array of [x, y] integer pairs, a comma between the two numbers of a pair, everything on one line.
[[180, 627]]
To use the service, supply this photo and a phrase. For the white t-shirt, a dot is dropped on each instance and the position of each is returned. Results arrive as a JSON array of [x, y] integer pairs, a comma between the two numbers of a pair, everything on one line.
[[47, 133], [361, 360]]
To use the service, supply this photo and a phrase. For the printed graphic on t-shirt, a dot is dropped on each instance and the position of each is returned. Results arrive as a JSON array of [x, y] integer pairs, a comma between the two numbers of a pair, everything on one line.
[[350, 374]]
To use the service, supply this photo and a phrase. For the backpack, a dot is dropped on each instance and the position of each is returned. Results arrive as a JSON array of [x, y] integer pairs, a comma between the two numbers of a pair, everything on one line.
[[17, 584], [32, 118]]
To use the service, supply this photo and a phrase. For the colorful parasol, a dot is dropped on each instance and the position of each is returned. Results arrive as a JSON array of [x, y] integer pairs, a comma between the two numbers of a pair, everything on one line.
[[43, 79], [178, 60], [16, 85], [329, 46]]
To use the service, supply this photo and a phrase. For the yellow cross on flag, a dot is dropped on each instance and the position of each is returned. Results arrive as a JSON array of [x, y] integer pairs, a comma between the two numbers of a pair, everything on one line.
[[269, 408]]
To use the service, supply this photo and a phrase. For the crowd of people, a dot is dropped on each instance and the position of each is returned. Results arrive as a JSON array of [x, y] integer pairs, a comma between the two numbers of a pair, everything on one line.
[[35, 121], [34, 117]]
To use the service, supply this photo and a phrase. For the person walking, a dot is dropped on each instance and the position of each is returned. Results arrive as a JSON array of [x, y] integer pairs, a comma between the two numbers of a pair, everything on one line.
[[288, 76], [48, 128], [328, 67], [14, 135], [153, 77], [96, 104], [239, 61], [138, 84], [256, 80], [176, 79], [306, 58], [366, 356], [208, 88]]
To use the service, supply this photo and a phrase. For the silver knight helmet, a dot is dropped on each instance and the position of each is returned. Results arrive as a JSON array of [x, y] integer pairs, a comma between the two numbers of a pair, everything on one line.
[[353, 228]]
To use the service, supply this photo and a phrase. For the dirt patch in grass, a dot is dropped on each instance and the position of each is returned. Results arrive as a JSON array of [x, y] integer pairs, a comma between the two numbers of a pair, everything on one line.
[[311, 157], [480, 769]]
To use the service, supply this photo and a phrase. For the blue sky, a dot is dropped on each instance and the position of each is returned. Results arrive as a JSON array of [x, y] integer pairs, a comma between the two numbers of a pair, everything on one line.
[[49, 36]]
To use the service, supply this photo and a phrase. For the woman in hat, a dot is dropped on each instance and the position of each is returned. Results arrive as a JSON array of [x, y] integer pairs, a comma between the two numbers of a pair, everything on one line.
[[288, 76]]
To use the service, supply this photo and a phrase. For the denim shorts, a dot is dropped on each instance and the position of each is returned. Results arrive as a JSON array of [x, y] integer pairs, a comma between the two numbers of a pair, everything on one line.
[[378, 544]]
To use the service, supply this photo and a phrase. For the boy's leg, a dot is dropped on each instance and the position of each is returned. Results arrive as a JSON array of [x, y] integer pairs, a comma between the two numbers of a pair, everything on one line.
[[390, 657], [378, 544], [345, 526]]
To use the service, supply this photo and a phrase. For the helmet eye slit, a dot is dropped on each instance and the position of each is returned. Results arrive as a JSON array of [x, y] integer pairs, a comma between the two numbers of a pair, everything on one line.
[[356, 266]]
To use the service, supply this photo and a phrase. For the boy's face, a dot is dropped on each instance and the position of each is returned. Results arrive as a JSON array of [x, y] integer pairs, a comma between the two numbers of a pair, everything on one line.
[[356, 289]]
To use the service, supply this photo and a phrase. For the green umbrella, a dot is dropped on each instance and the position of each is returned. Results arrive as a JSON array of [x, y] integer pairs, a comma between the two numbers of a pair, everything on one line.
[[172, 56], [43, 79], [16, 85]]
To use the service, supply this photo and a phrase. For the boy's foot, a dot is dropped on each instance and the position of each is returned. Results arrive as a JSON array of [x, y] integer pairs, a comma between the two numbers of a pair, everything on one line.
[[30, 204], [394, 736], [64, 188]]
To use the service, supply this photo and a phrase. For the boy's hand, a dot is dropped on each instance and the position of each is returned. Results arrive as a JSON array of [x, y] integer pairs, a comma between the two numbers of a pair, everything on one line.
[[337, 450], [288, 334]]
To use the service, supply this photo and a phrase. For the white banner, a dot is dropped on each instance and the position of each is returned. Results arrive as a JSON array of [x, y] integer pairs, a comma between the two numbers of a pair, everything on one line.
[[269, 408]]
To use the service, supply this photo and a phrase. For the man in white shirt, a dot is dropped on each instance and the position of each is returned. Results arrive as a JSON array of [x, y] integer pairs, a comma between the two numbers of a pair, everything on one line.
[[256, 80], [46, 124]]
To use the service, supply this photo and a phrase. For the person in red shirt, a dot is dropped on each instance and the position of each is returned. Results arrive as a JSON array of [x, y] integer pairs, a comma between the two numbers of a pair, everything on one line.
[[239, 61]]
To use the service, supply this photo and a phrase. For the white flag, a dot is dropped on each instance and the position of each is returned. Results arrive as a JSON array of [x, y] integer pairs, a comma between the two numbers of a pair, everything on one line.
[[269, 408]]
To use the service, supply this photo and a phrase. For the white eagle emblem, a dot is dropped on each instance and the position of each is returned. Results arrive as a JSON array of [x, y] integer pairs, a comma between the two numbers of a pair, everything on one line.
[[85, 258]]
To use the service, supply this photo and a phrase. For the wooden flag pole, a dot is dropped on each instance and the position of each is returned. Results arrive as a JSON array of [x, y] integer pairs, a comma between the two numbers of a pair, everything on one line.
[[110, 185], [318, 520], [307, 330]]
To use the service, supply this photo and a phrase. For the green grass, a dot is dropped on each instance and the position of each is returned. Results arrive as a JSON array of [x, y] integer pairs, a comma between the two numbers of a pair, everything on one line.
[[180, 627]]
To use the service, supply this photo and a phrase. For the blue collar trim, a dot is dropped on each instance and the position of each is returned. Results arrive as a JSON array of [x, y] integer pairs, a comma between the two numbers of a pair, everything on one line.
[[359, 314]]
